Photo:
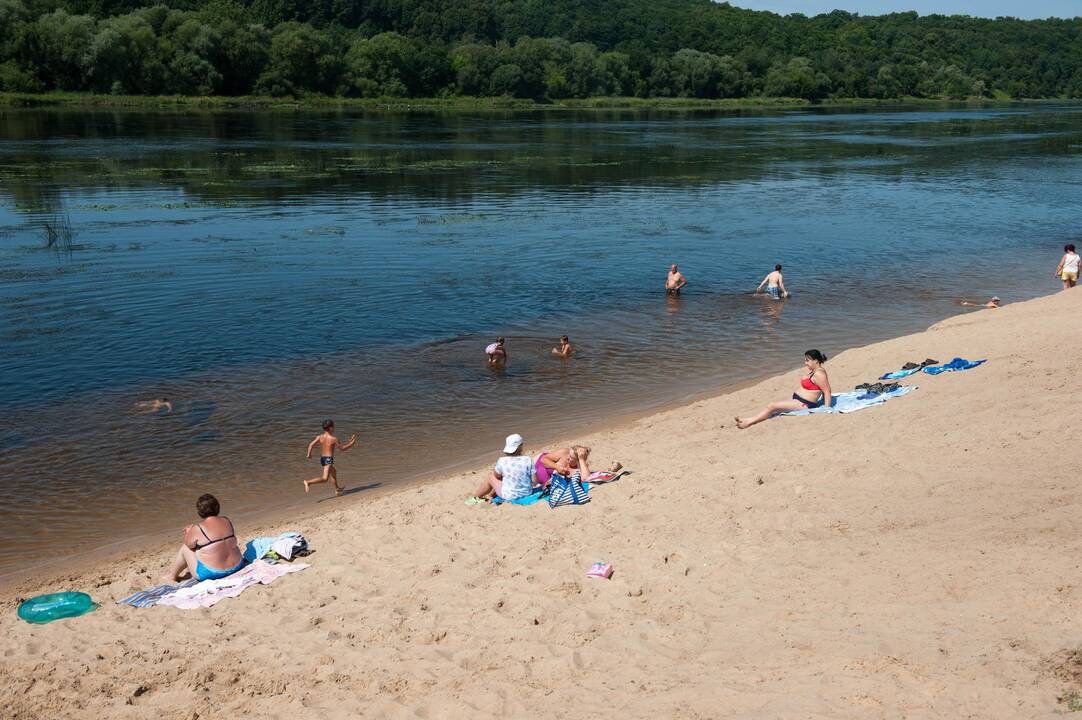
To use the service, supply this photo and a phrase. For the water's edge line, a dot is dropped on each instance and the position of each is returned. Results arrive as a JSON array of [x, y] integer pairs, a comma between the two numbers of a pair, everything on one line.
[[154, 543]]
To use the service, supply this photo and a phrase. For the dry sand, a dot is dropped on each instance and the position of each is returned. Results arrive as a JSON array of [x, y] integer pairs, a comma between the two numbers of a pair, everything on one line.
[[919, 559]]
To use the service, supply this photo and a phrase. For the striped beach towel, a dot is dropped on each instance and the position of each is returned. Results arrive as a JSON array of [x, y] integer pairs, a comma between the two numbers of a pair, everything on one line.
[[151, 597]]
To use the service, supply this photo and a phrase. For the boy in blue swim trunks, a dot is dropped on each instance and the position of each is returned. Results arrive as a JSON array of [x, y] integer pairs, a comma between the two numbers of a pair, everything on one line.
[[327, 443]]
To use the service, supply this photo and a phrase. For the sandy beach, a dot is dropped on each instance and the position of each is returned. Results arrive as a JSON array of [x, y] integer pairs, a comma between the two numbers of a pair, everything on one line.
[[916, 559]]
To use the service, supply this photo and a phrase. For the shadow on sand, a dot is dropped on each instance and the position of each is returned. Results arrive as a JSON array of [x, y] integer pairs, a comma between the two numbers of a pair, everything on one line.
[[351, 490]]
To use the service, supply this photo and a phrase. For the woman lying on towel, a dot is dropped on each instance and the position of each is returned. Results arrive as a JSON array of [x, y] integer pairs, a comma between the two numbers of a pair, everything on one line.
[[564, 461], [814, 392], [210, 549]]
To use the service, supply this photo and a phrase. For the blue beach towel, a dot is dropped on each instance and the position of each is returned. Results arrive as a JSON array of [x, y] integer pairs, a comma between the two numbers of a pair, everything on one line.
[[955, 364], [848, 402], [529, 499], [899, 374]]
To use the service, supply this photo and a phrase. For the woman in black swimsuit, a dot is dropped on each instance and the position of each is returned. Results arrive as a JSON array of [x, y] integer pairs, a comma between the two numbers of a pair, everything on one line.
[[210, 548]]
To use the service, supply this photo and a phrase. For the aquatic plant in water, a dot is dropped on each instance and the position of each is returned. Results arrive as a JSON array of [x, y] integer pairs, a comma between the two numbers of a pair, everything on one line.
[[58, 234]]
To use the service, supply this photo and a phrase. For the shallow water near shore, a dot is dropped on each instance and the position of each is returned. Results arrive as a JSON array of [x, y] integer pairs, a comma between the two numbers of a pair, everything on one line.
[[265, 271]]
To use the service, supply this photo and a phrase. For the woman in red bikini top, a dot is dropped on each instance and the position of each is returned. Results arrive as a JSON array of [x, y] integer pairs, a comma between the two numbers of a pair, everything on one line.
[[814, 392]]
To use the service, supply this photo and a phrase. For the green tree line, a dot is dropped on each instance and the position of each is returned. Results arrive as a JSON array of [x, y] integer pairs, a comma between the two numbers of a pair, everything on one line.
[[524, 48]]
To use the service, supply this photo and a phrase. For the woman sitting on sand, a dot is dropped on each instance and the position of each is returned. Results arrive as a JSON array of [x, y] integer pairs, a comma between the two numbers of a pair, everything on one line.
[[814, 392], [511, 479], [210, 548]]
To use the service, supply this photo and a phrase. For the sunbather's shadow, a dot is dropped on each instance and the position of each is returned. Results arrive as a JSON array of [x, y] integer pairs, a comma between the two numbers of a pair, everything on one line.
[[351, 490]]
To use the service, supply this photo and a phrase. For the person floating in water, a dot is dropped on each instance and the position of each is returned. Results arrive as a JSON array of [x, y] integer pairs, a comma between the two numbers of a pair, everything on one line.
[[675, 282], [565, 349], [327, 443], [153, 406], [775, 284], [993, 303], [497, 353], [1067, 270]]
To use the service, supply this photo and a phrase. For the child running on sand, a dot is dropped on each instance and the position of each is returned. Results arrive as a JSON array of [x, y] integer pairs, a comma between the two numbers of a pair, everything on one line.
[[327, 443]]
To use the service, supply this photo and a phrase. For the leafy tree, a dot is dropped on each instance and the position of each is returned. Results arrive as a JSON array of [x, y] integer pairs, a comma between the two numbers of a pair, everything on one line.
[[528, 48], [695, 73], [242, 56], [506, 80], [614, 74], [380, 66], [196, 48], [59, 43], [301, 59], [796, 78], [125, 57], [473, 65]]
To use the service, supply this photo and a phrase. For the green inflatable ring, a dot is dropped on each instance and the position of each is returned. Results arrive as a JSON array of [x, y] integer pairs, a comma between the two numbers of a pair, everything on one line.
[[54, 606]]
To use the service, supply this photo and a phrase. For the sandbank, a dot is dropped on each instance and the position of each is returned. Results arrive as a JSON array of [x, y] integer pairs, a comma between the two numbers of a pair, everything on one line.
[[916, 559]]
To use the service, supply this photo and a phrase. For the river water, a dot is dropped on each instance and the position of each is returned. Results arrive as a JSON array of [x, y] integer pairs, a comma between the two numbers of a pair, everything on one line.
[[265, 271]]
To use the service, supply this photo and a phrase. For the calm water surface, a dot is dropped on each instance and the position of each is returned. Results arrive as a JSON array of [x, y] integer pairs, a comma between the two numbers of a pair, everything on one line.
[[265, 271]]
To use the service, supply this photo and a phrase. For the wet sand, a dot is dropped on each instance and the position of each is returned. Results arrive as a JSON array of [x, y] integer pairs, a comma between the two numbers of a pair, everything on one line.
[[911, 560]]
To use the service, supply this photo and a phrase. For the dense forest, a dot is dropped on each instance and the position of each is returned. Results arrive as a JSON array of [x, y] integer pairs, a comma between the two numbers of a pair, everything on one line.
[[538, 49]]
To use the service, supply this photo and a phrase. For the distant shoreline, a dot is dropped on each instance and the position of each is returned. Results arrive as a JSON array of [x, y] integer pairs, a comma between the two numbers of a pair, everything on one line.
[[463, 104]]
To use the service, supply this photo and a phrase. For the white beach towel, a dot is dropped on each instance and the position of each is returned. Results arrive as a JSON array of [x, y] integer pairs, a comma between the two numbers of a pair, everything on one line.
[[208, 592]]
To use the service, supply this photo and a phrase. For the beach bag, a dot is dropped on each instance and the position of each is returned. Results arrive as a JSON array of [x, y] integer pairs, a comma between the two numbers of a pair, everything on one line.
[[567, 491]]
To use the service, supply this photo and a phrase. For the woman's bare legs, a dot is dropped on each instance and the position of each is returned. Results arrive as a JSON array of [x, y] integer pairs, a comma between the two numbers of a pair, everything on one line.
[[185, 559], [489, 488], [769, 411]]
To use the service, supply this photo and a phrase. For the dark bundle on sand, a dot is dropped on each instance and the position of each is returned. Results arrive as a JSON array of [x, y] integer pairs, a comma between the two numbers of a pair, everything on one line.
[[926, 363], [878, 388]]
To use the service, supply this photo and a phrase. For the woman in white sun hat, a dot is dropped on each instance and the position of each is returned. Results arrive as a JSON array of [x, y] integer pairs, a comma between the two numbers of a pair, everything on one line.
[[511, 479]]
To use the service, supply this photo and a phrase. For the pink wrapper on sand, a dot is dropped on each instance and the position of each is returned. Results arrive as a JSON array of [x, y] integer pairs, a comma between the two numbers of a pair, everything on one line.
[[600, 570]]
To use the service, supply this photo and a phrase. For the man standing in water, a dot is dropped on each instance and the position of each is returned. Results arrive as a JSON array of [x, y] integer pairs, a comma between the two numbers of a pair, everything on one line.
[[675, 281], [775, 284]]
